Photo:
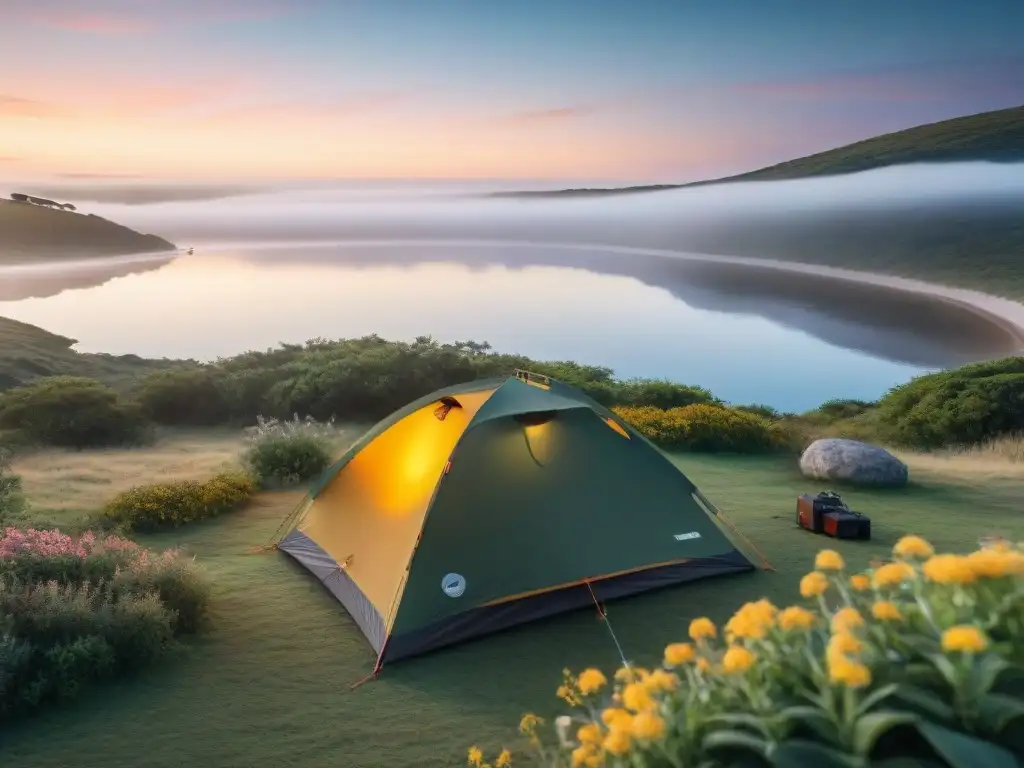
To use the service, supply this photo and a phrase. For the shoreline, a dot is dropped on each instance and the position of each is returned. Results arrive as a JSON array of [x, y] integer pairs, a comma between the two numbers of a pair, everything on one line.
[[1005, 314]]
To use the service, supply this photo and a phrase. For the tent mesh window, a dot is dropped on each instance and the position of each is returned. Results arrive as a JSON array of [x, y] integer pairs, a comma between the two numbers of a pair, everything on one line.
[[445, 405]]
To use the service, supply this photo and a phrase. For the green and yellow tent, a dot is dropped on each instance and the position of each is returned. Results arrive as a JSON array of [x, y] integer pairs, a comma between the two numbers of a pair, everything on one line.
[[498, 502]]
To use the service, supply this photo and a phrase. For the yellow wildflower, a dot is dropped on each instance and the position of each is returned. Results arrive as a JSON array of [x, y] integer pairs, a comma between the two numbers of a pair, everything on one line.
[[829, 560], [586, 756], [591, 681], [616, 718], [813, 584], [949, 569], [846, 619], [474, 756], [660, 681], [703, 665], [737, 659], [702, 629], [884, 610], [751, 621], [503, 760], [913, 547], [860, 583], [892, 575], [677, 654], [637, 698], [648, 726], [589, 734], [964, 639], [795, 617], [627, 674], [617, 742], [992, 563], [843, 643], [852, 674], [568, 695], [529, 723]]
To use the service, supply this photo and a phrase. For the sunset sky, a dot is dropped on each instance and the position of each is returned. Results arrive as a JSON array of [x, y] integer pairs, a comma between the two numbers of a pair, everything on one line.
[[582, 89]]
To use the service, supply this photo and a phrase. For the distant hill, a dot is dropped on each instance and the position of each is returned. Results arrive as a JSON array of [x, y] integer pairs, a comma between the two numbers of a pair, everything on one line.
[[28, 353], [31, 232], [996, 137]]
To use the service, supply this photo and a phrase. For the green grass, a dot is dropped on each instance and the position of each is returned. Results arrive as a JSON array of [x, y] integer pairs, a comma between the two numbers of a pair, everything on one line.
[[269, 684], [31, 233]]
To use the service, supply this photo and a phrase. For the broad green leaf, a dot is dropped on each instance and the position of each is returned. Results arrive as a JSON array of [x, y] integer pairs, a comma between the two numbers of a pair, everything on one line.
[[742, 720], [873, 698], [997, 711], [945, 667], [924, 702], [805, 754], [734, 741], [985, 672], [1011, 681], [874, 725], [963, 751], [810, 717]]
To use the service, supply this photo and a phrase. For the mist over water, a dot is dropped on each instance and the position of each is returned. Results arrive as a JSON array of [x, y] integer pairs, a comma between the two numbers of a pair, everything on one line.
[[602, 279]]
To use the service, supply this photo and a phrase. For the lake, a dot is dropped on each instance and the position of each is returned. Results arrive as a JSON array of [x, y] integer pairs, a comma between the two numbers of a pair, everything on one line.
[[551, 280]]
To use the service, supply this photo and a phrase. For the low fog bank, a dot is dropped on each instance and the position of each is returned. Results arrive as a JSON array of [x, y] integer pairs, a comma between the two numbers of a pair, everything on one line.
[[682, 218]]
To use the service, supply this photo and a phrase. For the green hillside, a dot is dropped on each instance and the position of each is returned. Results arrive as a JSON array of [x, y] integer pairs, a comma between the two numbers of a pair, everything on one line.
[[31, 232], [28, 353], [989, 136]]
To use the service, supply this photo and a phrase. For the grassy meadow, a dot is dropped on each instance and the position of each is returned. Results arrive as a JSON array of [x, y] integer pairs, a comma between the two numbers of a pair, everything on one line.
[[269, 683]]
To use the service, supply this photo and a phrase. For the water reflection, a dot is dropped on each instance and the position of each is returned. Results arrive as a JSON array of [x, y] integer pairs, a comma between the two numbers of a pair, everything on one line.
[[40, 281]]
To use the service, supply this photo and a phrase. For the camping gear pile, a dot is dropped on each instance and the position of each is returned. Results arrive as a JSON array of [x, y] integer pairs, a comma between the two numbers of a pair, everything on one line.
[[827, 513]]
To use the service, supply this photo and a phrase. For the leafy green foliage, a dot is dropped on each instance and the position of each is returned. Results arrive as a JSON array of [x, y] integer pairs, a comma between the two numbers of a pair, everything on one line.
[[962, 406], [70, 412], [707, 428], [12, 501], [189, 396], [284, 453], [169, 505], [76, 611]]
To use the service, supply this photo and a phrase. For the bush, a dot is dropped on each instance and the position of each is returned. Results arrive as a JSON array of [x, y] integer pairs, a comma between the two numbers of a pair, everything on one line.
[[920, 662], [289, 452], [12, 502], [169, 505], [959, 407], [766, 412], [76, 610], [190, 396], [70, 412], [707, 428]]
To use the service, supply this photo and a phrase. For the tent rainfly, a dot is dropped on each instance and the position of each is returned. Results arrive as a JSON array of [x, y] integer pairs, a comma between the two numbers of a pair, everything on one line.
[[495, 503]]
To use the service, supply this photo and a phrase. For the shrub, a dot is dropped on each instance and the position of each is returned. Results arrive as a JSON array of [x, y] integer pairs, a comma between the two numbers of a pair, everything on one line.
[[190, 396], [168, 505], [12, 501], [920, 662], [76, 610], [964, 406], [766, 412], [289, 452], [70, 412], [706, 428]]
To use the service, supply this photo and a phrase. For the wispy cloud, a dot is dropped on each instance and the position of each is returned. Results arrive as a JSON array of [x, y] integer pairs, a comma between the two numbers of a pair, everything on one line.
[[313, 110], [19, 106], [10, 159], [554, 114]]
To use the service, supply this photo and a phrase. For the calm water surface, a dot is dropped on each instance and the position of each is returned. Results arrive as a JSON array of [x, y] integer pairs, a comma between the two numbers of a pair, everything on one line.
[[665, 320]]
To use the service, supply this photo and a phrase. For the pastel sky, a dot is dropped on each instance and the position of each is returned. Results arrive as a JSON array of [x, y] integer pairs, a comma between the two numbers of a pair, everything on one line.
[[581, 89]]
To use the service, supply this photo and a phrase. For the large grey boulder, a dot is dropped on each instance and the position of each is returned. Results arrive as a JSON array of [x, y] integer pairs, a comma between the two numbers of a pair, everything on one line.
[[853, 462]]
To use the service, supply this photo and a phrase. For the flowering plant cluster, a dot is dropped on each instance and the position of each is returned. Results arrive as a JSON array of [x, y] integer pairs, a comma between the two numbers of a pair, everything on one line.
[[74, 609], [919, 661], [281, 453]]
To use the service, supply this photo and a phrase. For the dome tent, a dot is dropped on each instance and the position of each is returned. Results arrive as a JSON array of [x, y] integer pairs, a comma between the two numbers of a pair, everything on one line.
[[498, 502]]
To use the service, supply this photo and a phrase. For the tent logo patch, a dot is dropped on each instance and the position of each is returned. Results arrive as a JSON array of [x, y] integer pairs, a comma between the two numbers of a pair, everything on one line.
[[453, 585], [686, 536]]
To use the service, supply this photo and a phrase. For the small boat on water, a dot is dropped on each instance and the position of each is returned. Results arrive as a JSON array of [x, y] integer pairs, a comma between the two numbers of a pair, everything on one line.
[[191, 251]]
